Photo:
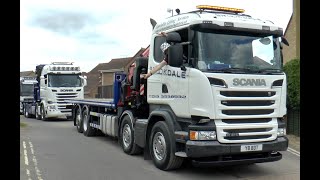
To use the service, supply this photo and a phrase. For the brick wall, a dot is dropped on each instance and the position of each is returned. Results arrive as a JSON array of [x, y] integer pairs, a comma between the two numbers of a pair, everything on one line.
[[292, 34]]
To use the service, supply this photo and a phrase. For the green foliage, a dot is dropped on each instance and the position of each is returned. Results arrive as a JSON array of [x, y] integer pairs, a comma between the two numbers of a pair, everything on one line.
[[292, 70]]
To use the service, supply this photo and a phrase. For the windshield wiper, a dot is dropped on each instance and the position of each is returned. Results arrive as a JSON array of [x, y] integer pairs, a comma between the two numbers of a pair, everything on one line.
[[269, 71], [233, 70]]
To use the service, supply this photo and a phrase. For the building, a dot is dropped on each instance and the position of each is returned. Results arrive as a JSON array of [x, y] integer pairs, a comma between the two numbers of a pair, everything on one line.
[[107, 74], [292, 34], [100, 78], [27, 73]]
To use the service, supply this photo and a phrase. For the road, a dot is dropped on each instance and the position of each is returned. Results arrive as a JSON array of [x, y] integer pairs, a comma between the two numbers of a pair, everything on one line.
[[54, 150]]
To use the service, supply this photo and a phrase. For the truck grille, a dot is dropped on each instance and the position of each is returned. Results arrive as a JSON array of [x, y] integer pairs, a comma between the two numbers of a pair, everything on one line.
[[254, 130], [248, 93], [247, 103], [248, 112], [60, 101], [248, 137]]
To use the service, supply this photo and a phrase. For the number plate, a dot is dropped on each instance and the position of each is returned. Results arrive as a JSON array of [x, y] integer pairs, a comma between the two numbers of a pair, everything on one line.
[[246, 148]]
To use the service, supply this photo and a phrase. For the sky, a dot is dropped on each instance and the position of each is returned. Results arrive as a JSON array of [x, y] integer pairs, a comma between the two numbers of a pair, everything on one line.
[[96, 31]]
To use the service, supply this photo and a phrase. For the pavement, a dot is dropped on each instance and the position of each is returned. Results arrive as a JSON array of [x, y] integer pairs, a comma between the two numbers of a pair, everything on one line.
[[294, 142]]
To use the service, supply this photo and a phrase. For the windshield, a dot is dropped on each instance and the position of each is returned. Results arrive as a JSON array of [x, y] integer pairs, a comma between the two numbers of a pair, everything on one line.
[[64, 80], [247, 53], [26, 89]]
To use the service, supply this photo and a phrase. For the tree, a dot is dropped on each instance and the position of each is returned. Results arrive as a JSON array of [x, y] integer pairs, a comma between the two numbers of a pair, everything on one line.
[[292, 70]]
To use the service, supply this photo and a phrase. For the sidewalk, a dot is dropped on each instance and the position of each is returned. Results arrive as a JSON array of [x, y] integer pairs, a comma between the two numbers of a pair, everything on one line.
[[294, 142]]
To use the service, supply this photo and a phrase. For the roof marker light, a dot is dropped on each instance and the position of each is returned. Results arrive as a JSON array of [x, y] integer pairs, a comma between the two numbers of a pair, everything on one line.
[[220, 8]]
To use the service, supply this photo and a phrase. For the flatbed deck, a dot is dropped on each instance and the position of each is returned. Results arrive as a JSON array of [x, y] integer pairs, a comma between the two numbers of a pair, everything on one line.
[[94, 101]]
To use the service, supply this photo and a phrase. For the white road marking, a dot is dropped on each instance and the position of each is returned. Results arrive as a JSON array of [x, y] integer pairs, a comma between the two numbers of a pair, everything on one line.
[[297, 153], [26, 161], [28, 174], [35, 161]]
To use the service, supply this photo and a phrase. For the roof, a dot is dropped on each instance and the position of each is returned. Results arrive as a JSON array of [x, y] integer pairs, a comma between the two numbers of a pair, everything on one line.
[[139, 53], [117, 63], [181, 21], [113, 64], [27, 73], [94, 74]]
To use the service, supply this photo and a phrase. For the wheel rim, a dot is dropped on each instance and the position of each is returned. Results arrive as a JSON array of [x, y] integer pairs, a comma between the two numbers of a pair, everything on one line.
[[126, 135], [78, 118], [85, 121], [159, 146], [42, 113], [36, 112]]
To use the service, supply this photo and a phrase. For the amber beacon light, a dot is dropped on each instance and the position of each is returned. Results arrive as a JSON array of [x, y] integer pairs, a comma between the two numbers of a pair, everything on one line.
[[220, 8]]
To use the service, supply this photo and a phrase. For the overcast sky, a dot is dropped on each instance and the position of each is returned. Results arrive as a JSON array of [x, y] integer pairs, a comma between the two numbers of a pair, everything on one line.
[[96, 31]]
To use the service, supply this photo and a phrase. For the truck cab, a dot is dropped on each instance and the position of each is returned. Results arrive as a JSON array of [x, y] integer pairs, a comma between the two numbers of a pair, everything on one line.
[[58, 81], [228, 98], [26, 90]]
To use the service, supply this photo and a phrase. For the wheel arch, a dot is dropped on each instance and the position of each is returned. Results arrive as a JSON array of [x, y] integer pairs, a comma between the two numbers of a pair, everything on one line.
[[161, 115], [120, 119]]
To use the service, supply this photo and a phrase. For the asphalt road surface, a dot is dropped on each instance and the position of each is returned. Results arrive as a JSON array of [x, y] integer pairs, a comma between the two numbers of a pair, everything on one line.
[[54, 150]]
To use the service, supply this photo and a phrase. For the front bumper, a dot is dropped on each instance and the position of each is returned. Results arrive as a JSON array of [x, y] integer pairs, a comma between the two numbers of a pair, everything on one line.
[[214, 148], [215, 153], [57, 113]]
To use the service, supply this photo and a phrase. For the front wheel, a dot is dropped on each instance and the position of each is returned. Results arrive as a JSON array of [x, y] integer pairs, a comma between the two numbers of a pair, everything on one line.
[[127, 137], [87, 129], [161, 148], [26, 113], [43, 113], [79, 123], [38, 117]]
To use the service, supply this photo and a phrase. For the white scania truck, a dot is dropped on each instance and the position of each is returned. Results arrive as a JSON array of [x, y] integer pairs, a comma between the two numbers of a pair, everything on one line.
[[223, 104], [56, 82], [26, 90]]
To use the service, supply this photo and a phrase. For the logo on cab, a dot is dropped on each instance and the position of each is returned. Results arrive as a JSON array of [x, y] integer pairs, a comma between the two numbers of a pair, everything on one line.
[[249, 82], [66, 90]]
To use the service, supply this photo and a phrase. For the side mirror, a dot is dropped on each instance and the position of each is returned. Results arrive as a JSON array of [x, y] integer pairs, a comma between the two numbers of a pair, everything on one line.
[[83, 80], [43, 80], [175, 55], [173, 37], [284, 41]]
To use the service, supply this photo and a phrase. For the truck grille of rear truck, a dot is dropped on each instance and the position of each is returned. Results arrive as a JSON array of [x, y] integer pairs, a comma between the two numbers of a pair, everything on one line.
[[61, 97]]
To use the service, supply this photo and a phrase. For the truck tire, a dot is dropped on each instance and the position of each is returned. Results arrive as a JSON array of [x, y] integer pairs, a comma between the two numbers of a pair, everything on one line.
[[87, 129], [38, 117], [26, 113], [43, 114], [79, 123], [161, 148], [126, 139]]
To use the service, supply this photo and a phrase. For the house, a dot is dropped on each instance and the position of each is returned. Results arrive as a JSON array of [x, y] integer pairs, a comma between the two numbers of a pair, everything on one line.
[[94, 77], [292, 34], [27, 73], [107, 74], [100, 78]]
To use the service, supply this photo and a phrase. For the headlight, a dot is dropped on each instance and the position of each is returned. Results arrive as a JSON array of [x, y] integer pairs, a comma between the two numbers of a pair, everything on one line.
[[203, 135], [52, 107], [281, 132]]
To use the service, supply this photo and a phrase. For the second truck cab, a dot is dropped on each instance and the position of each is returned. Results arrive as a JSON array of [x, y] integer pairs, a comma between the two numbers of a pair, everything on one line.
[[57, 82]]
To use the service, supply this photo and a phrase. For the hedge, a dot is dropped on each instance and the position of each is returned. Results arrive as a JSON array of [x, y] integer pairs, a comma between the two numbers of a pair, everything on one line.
[[292, 70]]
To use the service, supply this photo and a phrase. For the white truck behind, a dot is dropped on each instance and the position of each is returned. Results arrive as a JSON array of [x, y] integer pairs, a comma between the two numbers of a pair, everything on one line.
[[56, 82], [26, 90]]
